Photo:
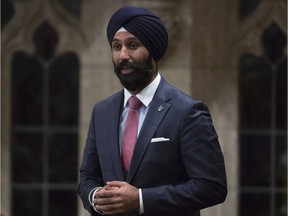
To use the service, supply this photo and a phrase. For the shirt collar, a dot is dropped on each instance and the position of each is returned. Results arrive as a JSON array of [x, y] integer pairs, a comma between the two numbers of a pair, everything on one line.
[[147, 94]]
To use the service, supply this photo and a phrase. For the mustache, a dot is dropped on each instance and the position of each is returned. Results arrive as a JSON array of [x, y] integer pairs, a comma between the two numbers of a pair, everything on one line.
[[127, 64]]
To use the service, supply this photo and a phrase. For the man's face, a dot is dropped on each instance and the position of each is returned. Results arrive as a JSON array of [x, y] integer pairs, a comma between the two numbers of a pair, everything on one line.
[[132, 62]]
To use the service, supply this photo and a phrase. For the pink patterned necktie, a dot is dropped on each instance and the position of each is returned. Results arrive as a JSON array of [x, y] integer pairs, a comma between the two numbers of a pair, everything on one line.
[[130, 131]]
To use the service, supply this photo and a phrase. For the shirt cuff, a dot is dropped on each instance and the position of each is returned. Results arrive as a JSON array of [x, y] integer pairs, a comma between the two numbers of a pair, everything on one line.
[[141, 210], [93, 193]]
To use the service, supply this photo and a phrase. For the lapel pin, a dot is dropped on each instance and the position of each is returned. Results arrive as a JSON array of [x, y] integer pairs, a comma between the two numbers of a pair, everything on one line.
[[160, 108]]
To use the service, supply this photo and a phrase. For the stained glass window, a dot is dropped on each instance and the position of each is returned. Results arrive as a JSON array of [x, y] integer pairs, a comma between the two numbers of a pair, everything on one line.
[[45, 100], [263, 128]]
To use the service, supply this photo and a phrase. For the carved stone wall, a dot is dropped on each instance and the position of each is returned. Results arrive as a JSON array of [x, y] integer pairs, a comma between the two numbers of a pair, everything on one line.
[[214, 80]]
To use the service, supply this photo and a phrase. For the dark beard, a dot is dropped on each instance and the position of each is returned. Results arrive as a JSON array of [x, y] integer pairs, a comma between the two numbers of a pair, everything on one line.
[[141, 76]]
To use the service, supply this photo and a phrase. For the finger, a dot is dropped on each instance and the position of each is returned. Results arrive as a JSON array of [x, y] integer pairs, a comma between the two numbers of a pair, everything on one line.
[[108, 193], [103, 201], [116, 183], [109, 209], [111, 187], [103, 196]]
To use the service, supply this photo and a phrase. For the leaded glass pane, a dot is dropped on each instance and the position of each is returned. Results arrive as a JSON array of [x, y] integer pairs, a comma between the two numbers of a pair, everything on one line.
[[274, 41], [255, 204], [27, 157], [247, 7], [63, 163], [281, 96], [281, 161], [64, 90], [255, 93], [27, 202], [7, 12], [62, 203], [27, 88], [281, 204], [45, 39], [72, 6], [255, 158]]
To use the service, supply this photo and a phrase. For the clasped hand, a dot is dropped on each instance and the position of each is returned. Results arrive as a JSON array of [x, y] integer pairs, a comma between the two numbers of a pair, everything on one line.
[[117, 197]]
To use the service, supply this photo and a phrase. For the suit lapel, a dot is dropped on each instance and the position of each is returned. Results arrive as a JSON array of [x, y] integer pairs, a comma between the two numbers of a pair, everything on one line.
[[114, 134], [157, 110]]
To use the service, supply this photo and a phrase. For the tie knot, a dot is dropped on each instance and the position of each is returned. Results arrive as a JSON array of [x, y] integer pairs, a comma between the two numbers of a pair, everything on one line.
[[134, 103]]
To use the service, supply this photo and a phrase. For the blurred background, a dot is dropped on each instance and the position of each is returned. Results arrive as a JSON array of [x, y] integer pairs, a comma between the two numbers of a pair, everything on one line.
[[56, 64]]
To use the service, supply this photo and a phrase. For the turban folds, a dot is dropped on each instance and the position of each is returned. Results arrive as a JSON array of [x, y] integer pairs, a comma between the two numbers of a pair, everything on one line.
[[144, 25]]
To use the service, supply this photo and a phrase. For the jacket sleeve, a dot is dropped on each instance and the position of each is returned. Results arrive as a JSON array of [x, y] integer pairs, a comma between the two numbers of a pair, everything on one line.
[[90, 170], [204, 164]]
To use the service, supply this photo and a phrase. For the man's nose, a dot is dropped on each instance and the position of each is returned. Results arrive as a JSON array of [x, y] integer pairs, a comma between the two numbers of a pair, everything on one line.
[[124, 53]]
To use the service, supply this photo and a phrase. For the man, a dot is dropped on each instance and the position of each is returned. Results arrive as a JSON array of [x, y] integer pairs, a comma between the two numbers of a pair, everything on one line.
[[175, 167]]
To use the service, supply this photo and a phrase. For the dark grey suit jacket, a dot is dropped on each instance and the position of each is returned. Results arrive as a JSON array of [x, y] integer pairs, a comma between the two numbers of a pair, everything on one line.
[[179, 176]]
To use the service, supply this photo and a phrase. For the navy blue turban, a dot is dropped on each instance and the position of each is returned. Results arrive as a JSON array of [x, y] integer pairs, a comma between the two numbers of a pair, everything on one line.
[[144, 25]]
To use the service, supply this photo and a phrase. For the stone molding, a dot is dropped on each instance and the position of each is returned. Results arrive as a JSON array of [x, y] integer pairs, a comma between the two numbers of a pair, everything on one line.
[[251, 28]]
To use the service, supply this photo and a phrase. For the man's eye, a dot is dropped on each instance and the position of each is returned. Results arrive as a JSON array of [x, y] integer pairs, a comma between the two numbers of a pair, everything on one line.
[[133, 45], [116, 47]]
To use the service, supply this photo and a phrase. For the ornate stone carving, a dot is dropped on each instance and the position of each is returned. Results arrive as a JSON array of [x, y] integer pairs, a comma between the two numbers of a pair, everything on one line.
[[251, 29]]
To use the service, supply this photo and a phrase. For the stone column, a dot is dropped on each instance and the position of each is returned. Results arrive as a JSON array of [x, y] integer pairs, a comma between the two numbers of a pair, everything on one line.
[[214, 80]]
